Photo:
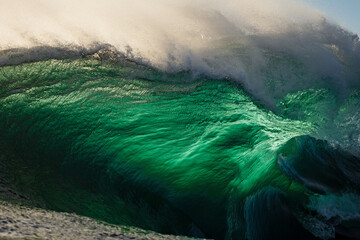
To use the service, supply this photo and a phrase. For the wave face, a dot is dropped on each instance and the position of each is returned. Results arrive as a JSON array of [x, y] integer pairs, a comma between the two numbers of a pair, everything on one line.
[[229, 121]]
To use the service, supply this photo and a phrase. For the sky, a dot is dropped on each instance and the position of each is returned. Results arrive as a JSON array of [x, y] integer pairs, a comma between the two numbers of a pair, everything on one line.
[[344, 12]]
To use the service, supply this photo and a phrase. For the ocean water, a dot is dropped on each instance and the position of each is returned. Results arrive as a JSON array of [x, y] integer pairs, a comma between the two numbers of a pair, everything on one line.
[[252, 132]]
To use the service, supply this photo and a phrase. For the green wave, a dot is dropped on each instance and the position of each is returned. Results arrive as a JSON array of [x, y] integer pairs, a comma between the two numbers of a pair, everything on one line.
[[127, 144]]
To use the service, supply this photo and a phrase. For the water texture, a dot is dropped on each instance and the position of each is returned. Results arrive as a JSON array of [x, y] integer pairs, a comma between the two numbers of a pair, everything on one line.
[[245, 129]]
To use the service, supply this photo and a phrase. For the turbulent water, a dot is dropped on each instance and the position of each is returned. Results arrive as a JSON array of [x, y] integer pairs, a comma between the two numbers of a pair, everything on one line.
[[252, 132]]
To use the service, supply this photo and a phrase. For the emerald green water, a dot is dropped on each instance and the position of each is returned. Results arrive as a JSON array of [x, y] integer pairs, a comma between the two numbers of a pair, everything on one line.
[[126, 144]]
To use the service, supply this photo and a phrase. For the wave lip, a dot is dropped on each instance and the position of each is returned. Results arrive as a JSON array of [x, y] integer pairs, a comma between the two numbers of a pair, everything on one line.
[[320, 167], [333, 175]]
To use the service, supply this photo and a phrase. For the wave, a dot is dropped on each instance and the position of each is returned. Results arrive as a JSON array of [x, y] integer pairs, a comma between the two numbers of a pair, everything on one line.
[[118, 141], [222, 120]]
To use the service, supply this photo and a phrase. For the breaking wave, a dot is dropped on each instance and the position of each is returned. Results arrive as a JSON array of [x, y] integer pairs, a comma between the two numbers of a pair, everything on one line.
[[227, 120]]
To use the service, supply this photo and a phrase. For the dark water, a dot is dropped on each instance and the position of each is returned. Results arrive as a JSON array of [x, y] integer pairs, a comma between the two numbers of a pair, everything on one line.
[[131, 145]]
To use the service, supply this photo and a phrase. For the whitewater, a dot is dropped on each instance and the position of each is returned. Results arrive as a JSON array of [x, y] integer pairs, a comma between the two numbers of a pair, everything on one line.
[[205, 119]]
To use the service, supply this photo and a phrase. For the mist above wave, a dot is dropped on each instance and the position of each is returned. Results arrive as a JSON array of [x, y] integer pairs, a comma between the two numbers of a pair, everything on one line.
[[270, 47]]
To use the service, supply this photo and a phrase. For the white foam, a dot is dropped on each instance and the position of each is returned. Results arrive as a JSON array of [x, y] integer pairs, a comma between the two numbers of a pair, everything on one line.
[[222, 39], [345, 206]]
